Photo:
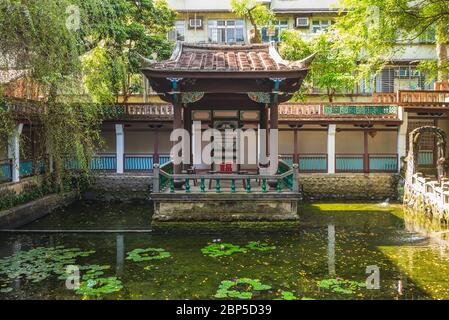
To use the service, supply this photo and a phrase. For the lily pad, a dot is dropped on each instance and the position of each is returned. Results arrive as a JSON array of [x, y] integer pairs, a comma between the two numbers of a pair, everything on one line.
[[138, 255], [341, 286], [260, 246], [40, 263], [222, 249], [287, 295], [243, 288], [99, 286]]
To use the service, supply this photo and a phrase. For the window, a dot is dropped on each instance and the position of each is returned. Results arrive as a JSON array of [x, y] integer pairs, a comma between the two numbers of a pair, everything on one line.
[[429, 36], [226, 31], [179, 32], [275, 33], [320, 26]]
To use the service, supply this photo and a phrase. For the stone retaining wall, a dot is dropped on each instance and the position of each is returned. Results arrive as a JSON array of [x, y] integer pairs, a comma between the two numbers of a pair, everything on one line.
[[349, 186], [121, 187], [26, 213], [23, 184], [315, 186]]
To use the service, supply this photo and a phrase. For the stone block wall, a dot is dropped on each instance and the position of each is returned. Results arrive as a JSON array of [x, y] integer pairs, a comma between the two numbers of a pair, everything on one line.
[[19, 187], [121, 187], [349, 186]]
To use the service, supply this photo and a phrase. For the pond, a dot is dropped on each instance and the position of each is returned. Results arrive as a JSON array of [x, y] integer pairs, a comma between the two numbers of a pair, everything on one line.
[[326, 258]]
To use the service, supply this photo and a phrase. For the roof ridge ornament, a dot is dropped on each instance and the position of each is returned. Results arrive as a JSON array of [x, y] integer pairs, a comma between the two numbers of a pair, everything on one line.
[[304, 63]]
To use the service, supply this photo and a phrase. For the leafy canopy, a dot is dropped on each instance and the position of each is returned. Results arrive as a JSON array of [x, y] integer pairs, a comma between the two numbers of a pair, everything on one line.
[[257, 13], [334, 69]]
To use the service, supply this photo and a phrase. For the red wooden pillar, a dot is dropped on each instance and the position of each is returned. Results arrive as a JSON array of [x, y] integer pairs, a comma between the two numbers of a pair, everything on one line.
[[366, 168]]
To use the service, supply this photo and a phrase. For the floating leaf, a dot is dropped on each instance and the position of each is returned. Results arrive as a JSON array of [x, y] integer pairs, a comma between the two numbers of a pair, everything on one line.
[[222, 249]]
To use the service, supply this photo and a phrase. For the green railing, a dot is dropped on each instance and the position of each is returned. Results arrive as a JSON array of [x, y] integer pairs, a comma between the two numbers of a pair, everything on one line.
[[425, 158], [349, 163], [360, 110], [383, 163], [281, 182], [309, 163]]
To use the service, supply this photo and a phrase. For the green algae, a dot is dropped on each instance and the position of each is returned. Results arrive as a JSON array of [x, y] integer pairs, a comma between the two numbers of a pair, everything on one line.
[[260, 246], [341, 285]]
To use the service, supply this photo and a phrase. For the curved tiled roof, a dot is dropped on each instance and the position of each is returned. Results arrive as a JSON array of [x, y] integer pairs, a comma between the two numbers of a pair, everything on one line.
[[226, 58]]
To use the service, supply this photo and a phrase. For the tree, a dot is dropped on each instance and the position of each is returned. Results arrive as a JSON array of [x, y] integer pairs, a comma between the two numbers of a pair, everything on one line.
[[258, 14], [380, 28], [125, 29], [66, 44], [334, 68]]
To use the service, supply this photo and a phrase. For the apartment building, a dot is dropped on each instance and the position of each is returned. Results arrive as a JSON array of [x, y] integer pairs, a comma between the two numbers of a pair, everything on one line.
[[203, 21]]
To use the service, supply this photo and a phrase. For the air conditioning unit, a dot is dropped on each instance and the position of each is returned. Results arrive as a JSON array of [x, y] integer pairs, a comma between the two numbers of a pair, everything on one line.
[[196, 23], [302, 22]]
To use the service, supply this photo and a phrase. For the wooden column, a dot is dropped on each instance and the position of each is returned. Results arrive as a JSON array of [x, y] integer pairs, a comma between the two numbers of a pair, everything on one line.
[[365, 152], [177, 113]]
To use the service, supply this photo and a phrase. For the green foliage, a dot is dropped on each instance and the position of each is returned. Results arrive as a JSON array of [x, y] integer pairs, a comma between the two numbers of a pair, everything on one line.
[[257, 13], [138, 255], [260, 246], [9, 199], [222, 249], [373, 28], [334, 69], [341, 285], [124, 29], [65, 59]]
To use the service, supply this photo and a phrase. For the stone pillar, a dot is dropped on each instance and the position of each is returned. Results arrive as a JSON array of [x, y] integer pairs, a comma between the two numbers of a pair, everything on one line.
[[120, 147], [332, 130], [14, 152], [402, 136]]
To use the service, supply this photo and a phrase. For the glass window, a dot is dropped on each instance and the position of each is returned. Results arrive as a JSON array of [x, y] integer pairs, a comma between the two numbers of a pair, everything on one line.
[[179, 31], [268, 35], [226, 31], [320, 26]]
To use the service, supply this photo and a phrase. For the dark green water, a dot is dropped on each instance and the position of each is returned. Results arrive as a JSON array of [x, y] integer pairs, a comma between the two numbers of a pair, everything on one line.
[[336, 241]]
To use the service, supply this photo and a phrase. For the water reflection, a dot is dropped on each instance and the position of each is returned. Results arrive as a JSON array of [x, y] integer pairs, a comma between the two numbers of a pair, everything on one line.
[[331, 250], [412, 267]]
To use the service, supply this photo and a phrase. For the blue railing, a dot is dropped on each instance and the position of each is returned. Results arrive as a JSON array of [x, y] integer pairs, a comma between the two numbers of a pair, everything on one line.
[[5, 170], [425, 158], [104, 163], [313, 163], [163, 159], [26, 168], [383, 163], [139, 162], [289, 159], [349, 163]]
